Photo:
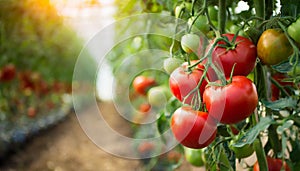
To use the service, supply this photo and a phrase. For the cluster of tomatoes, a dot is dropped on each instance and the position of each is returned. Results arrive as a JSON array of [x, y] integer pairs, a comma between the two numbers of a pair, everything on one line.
[[207, 100], [216, 89]]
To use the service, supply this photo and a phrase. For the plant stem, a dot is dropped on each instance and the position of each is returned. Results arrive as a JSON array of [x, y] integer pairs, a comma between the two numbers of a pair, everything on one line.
[[222, 16], [259, 6], [260, 154], [274, 140]]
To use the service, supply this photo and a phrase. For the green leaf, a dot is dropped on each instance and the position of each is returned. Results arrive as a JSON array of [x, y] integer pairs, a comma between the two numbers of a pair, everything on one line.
[[171, 106], [162, 124], [283, 67], [281, 103], [250, 136], [223, 162], [285, 126]]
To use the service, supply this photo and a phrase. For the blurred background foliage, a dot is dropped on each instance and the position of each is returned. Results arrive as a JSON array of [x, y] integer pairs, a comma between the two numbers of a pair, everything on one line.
[[33, 36]]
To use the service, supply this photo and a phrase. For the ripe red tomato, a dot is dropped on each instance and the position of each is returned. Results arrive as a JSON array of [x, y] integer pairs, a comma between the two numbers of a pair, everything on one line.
[[142, 84], [182, 82], [273, 47], [273, 165], [232, 103], [243, 54], [8, 72], [193, 129]]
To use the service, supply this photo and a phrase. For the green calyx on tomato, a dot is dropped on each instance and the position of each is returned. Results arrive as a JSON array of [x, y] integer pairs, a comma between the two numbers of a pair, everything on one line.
[[194, 156], [233, 102], [190, 43], [294, 30], [192, 128], [273, 47]]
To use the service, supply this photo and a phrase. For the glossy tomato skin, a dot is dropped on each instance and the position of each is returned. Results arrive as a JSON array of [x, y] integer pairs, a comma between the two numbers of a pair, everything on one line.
[[243, 55], [273, 47], [142, 84], [182, 82], [232, 103], [193, 129], [273, 165], [194, 156]]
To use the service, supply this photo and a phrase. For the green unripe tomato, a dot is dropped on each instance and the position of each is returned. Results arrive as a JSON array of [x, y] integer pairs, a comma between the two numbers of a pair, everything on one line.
[[201, 24], [158, 96], [241, 152], [294, 30], [170, 64], [194, 156], [190, 43]]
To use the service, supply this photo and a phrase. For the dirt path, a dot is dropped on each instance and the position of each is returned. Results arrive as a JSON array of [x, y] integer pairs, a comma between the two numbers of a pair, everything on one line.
[[65, 147]]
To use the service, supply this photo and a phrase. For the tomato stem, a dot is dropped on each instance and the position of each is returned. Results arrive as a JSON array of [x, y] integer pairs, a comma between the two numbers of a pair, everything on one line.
[[259, 6], [282, 89], [260, 154], [222, 16], [207, 15]]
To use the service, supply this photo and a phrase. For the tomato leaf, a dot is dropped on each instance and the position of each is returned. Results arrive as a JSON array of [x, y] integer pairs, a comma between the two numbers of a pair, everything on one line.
[[250, 136], [171, 106], [281, 103], [285, 126], [223, 163], [162, 123], [283, 67]]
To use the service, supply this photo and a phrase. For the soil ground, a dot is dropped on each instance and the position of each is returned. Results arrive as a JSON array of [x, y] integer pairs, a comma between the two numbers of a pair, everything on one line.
[[65, 147]]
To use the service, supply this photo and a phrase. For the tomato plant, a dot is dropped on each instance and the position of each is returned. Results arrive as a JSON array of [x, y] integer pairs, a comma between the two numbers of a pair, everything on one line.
[[224, 102], [193, 129], [208, 78], [273, 47]]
